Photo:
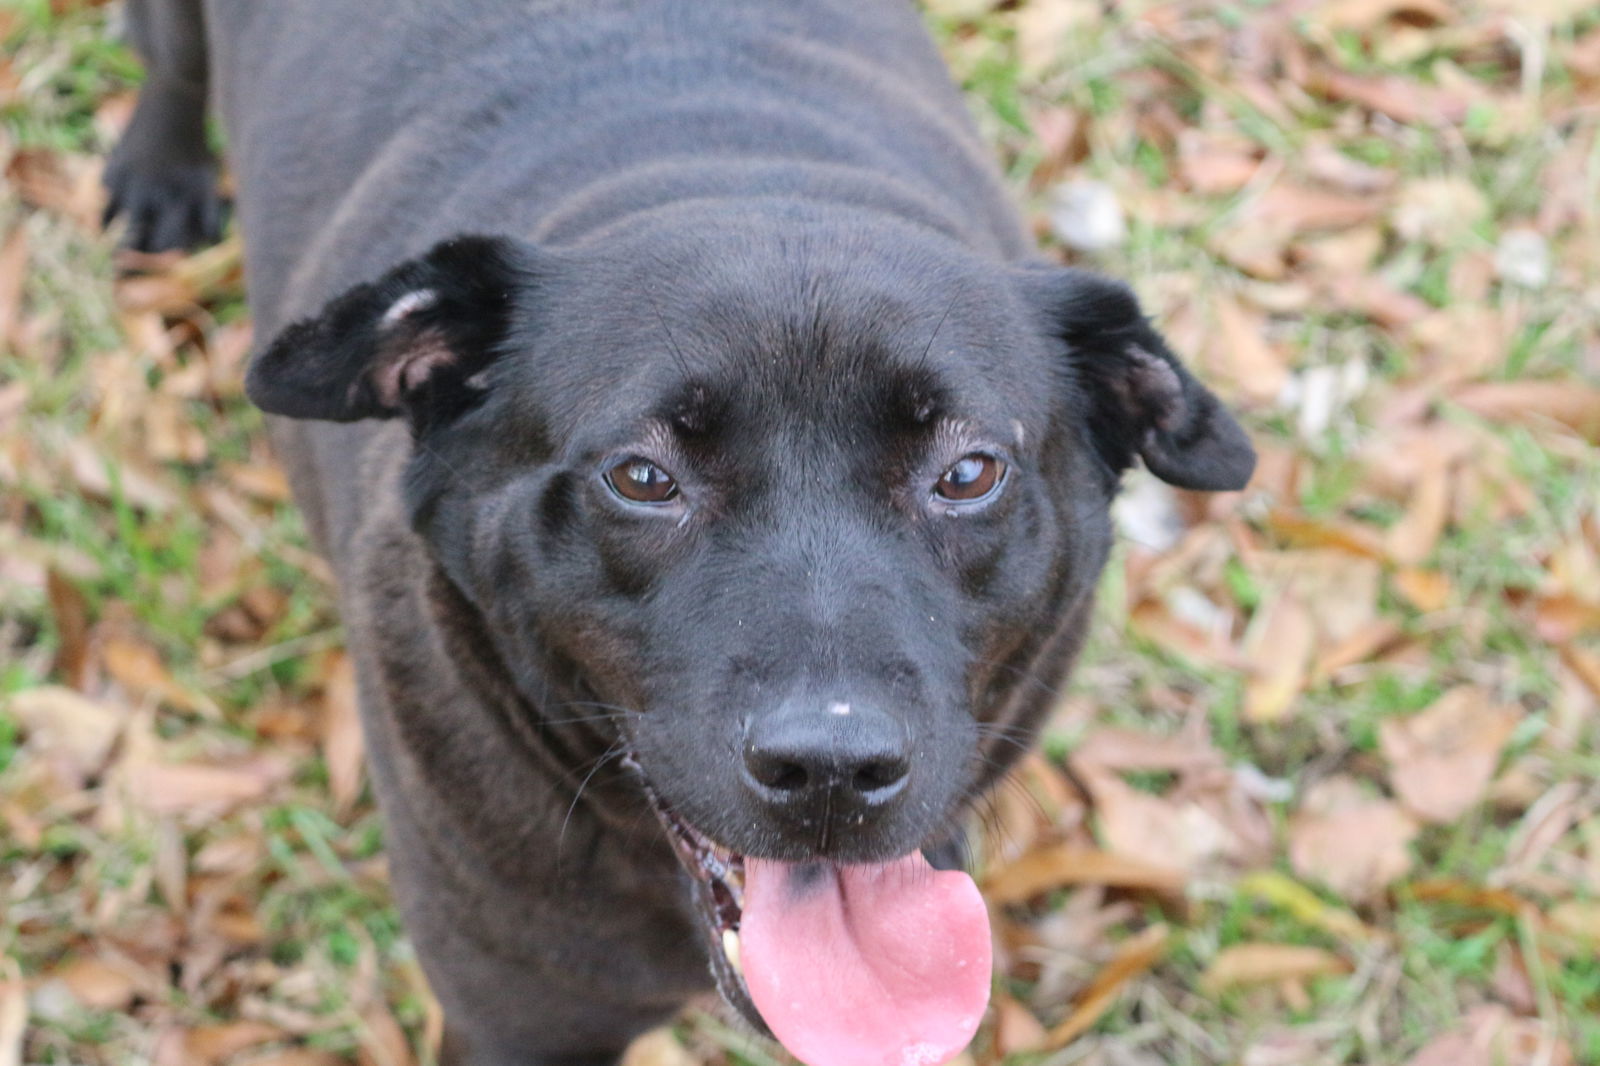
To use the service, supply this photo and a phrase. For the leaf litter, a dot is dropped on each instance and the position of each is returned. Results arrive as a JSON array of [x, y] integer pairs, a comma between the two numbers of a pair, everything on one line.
[[1323, 788]]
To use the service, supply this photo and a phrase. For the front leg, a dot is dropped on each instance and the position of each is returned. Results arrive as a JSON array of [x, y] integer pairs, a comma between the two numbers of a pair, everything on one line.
[[162, 175]]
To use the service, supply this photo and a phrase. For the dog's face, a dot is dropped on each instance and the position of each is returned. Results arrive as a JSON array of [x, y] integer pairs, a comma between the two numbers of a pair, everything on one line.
[[817, 515]]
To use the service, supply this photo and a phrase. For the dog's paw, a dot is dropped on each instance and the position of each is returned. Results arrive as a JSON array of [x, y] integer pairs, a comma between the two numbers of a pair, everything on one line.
[[165, 207]]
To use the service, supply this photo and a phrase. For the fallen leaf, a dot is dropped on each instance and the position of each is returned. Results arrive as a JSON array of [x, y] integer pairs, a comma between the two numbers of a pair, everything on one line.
[[1113, 748], [341, 734], [1246, 964], [1441, 760], [71, 614], [1016, 1030], [97, 984], [1405, 100], [1411, 540], [383, 1042], [1365, 16], [13, 1012], [1490, 1036], [1438, 210], [62, 725], [1157, 832], [196, 788], [1302, 209], [13, 271], [1353, 844], [1304, 905], [658, 1047], [1133, 957], [211, 1045], [1281, 640], [1046, 869], [138, 667], [1426, 590], [1568, 403], [1242, 354], [1361, 645]]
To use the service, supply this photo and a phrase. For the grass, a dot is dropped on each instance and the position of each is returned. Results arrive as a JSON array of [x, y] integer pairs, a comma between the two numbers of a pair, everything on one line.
[[202, 621]]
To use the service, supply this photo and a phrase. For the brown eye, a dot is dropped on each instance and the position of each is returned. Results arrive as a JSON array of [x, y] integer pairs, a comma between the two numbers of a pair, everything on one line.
[[641, 481], [973, 477]]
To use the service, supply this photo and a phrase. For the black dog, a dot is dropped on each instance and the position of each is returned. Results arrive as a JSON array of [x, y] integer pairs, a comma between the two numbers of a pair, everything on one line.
[[747, 473]]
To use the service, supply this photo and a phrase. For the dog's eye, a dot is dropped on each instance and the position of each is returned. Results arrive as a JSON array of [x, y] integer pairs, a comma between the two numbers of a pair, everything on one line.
[[973, 477], [641, 481]]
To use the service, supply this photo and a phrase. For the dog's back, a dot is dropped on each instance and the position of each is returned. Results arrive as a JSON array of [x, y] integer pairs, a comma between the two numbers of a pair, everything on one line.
[[360, 134]]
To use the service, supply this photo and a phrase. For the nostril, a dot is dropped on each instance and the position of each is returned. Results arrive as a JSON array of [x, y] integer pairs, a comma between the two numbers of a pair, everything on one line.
[[775, 771], [786, 777], [880, 774]]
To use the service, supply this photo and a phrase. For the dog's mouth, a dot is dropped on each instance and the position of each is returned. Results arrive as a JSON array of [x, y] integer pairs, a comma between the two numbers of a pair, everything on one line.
[[879, 964]]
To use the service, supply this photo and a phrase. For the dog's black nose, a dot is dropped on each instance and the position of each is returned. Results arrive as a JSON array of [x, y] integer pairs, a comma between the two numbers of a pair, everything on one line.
[[832, 753]]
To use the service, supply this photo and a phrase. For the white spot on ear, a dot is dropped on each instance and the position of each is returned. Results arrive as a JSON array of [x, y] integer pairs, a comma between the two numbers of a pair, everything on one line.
[[409, 304], [839, 708]]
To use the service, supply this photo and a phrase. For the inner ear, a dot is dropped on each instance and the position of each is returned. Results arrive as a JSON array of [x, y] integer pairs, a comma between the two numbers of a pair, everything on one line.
[[1141, 400], [415, 342]]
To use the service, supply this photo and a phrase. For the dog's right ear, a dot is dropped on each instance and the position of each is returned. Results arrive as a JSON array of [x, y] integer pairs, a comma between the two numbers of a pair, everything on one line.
[[411, 343]]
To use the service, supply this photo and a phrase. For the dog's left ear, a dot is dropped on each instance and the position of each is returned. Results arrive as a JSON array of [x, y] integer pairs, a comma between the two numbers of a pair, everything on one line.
[[411, 343], [1141, 399]]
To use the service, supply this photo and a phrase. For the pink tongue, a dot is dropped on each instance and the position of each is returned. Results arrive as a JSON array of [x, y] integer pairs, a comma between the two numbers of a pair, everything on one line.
[[884, 965]]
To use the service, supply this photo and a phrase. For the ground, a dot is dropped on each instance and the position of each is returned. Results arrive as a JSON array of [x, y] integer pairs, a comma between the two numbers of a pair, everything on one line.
[[1336, 735]]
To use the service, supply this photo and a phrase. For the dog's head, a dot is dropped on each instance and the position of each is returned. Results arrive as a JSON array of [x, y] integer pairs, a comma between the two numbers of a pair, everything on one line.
[[818, 509]]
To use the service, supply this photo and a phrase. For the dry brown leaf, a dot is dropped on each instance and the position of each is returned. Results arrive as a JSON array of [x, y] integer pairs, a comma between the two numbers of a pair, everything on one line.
[[97, 984], [1490, 1036], [1438, 210], [13, 1012], [1329, 165], [1376, 298], [1426, 590], [138, 667], [1412, 540], [1301, 209], [1046, 869], [1578, 923], [211, 1045], [1243, 355], [1441, 760], [1364, 16], [658, 1047], [341, 733], [195, 788], [1159, 833], [1466, 894], [1568, 403], [299, 1056], [1353, 844], [1016, 1030], [71, 614], [1584, 665], [67, 728], [1133, 957], [1213, 166], [13, 270], [91, 470], [1362, 644], [1247, 964], [1042, 31], [383, 1042], [1112, 748], [1281, 641], [1298, 531], [1406, 100]]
